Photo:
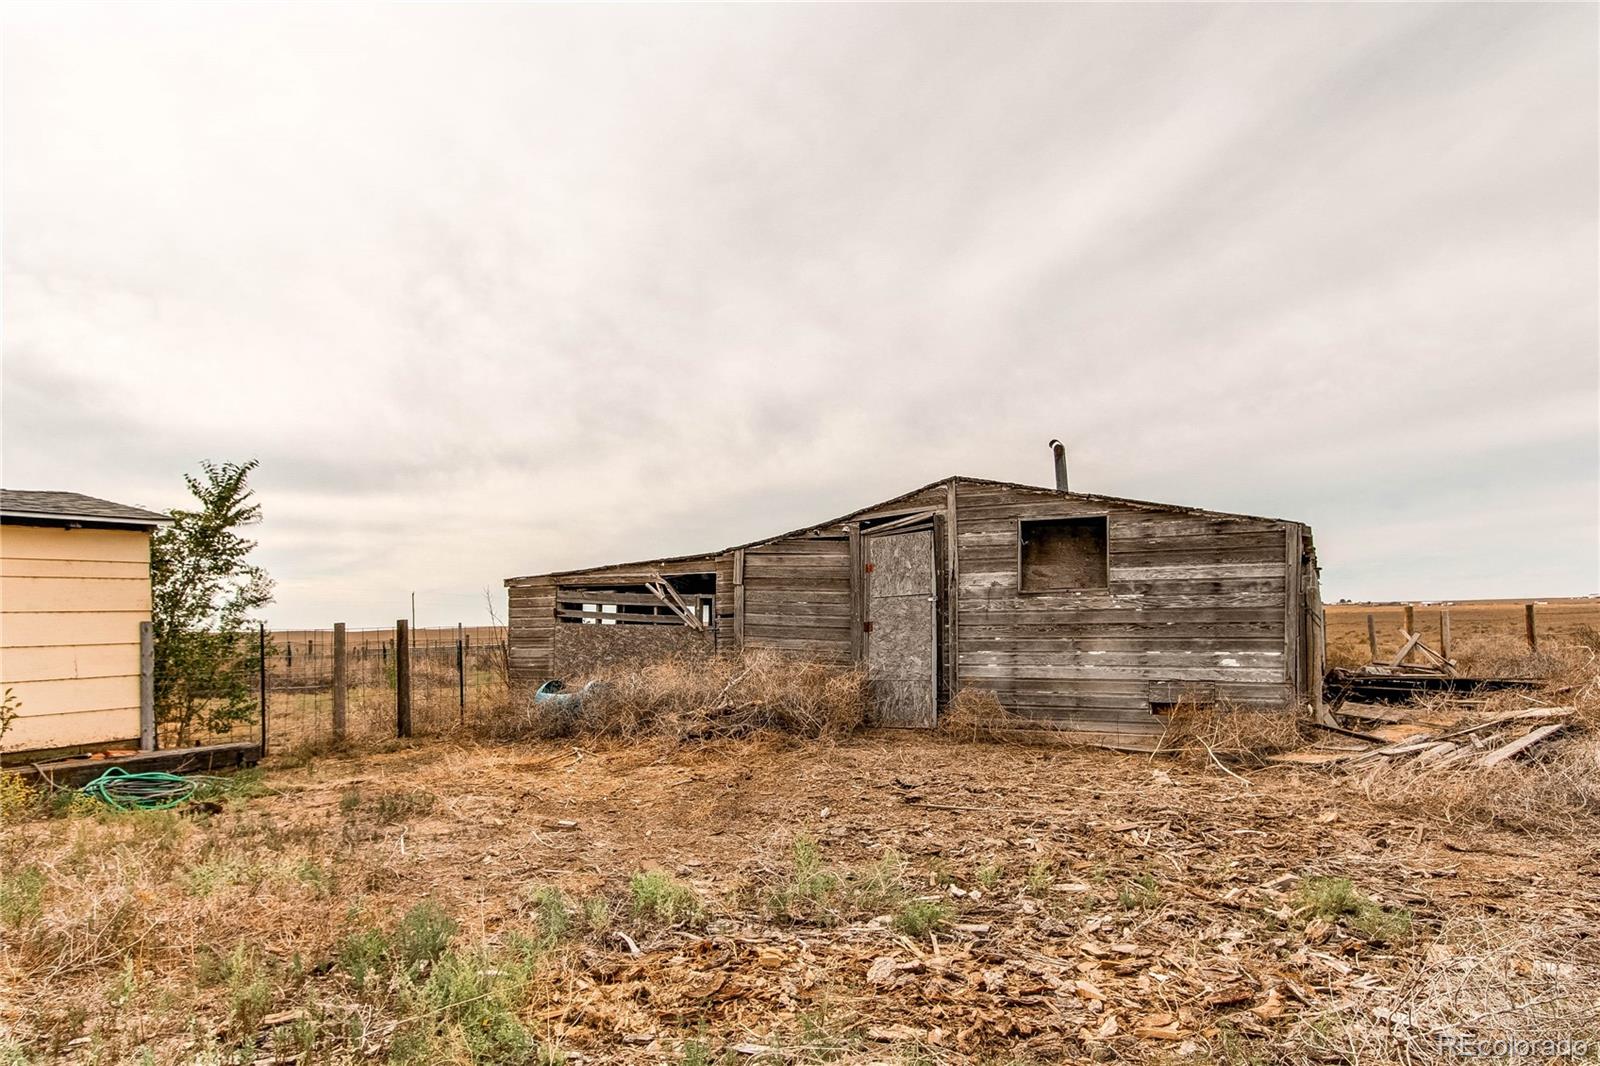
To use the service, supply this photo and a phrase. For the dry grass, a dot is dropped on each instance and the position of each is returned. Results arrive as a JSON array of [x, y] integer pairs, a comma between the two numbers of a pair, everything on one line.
[[1207, 733], [974, 714], [455, 903], [1556, 791], [698, 698]]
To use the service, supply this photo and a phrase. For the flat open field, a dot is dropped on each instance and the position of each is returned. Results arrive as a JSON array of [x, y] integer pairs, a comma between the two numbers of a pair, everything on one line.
[[1471, 622], [894, 897]]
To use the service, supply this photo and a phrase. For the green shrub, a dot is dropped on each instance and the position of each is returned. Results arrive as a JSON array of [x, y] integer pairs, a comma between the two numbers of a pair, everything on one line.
[[661, 898], [422, 935], [921, 917], [360, 954], [472, 1000], [809, 887], [1336, 899], [553, 911]]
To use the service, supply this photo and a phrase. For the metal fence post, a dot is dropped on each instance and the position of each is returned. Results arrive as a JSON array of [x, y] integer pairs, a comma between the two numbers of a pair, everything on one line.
[[461, 673], [338, 682], [261, 665], [402, 678]]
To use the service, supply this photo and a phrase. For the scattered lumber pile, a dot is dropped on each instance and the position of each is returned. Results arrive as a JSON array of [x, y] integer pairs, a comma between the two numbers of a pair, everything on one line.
[[1400, 679], [1399, 737]]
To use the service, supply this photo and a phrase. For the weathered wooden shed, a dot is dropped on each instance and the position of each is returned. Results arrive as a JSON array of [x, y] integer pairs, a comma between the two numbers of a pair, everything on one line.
[[1078, 611]]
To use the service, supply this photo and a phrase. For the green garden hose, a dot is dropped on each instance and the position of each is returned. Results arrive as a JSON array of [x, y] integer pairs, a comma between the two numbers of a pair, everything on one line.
[[150, 791]]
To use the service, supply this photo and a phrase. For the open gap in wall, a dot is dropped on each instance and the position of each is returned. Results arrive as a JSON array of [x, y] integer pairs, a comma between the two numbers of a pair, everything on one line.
[[1063, 554], [680, 600]]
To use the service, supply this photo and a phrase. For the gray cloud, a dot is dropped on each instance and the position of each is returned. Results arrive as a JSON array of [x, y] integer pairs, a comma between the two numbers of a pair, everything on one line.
[[500, 289]]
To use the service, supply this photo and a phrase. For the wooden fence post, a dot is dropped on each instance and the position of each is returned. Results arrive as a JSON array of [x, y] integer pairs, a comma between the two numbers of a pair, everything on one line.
[[402, 679], [1411, 619], [147, 687], [1444, 632], [1372, 638], [338, 682], [1533, 634], [461, 672]]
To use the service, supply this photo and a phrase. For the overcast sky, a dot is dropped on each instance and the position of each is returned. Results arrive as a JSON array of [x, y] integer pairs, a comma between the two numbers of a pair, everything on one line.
[[497, 290]]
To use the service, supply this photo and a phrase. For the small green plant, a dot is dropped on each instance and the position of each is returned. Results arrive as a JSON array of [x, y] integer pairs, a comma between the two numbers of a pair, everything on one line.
[[808, 889], [658, 897], [473, 996], [350, 800], [315, 876], [205, 878], [921, 917], [1140, 894], [1041, 875], [360, 954], [881, 885], [553, 911], [989, 875], [18, 799], [1336, 899], [240, 785], [21, 896], [596, 914], [422, 935], [394, 807], [10, 711], [249, 991]]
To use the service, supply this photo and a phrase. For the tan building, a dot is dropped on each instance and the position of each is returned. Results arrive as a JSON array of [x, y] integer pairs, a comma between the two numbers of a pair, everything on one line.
[[74, 590]]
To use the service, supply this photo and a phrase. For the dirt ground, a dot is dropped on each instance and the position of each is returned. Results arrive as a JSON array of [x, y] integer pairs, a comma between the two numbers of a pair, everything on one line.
[[892, 897]]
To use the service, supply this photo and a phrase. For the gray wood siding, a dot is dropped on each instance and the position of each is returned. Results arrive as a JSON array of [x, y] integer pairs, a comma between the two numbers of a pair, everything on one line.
[[797, 598], [532, 609], [1193, 602], [530, 630]]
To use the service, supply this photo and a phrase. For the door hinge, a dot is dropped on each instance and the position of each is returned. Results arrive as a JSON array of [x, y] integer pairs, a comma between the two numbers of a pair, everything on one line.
[[866, 627], [868, 568]]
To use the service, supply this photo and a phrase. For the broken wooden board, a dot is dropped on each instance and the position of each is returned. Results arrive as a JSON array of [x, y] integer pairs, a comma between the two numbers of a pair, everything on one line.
[[1533, 736]]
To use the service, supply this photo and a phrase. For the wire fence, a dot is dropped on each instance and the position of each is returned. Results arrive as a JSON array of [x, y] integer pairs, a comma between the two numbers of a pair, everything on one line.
[[457, 675]]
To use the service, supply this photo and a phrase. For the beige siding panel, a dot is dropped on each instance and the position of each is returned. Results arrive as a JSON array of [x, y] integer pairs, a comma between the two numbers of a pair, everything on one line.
[[72, 661], [43, 630], [70, 606], [75, 694], [72, 568], [20, 595], [73, 729], [104, 545]]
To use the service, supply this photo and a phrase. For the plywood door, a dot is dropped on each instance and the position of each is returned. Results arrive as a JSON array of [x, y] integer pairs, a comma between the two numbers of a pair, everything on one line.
[[902, 658]]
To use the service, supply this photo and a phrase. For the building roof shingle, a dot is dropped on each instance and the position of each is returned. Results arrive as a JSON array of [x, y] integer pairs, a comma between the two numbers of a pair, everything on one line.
[[74, 506]]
